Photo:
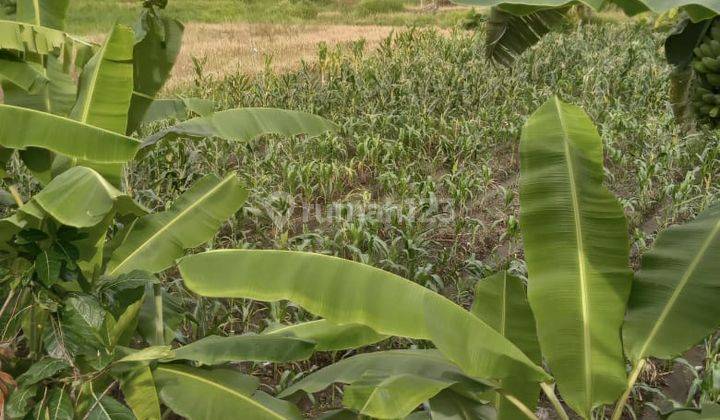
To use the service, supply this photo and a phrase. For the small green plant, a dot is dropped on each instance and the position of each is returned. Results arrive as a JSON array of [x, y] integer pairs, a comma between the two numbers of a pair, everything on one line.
[[376, 7]]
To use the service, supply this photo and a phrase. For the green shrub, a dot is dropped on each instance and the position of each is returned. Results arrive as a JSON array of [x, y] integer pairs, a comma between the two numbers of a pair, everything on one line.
[[376, 7]]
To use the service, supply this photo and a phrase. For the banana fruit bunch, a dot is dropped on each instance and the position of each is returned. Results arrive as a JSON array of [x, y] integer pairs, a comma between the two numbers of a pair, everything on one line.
[[706, 88]]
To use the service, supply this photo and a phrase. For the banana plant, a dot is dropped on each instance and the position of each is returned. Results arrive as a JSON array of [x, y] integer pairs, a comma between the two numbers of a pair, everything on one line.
[[73, 322], [115, 93], [690, 48], [584, 314]]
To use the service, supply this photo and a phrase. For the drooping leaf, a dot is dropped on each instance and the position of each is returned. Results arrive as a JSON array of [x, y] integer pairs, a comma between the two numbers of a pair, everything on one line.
[[138, 387], [576, 248], [180, 108], [390, 397], [158, 41], [673, 303], [429, 364], [509, 35], [501, 301], [39, 162], [449, 405], [21, 128], [156, 240], [321, 283], [215, 350], [679, 45], [244, 124], [199, 394], [328, 336], [47, 13], [79, 197]]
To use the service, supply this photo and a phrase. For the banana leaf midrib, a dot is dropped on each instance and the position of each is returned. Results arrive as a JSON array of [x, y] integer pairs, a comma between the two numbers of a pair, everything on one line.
[[587, 353]]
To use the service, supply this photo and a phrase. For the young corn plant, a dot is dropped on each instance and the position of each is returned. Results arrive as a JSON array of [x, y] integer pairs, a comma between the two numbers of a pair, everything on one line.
[[584, 315]]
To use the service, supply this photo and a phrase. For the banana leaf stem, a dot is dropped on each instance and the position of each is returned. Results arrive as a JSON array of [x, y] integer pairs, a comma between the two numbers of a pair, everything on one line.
[[549, 390], [519, 404], [159, 323], [620, 407], [16, 195]]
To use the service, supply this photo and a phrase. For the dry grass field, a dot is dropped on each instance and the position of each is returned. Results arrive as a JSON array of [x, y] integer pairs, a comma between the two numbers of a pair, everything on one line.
[[250, 48]]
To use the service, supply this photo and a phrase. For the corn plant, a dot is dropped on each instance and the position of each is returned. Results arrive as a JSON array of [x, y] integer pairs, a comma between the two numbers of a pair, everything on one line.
[[584, 314]]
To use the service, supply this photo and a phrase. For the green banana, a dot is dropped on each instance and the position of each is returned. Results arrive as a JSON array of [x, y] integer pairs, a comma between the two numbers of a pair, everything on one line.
[[711, 64], [714, 79]]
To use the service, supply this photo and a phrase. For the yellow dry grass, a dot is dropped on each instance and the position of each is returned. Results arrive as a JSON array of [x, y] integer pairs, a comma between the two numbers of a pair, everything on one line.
[[226, 48]]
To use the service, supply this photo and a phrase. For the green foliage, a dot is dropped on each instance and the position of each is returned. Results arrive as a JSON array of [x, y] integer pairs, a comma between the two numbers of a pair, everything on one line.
[[374, 7]]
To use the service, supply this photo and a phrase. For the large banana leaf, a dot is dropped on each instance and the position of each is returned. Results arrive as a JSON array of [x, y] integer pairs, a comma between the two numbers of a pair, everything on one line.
[[429, 364], [501, 302], [158, 41], [21, 128], [106, 83], [104, 95], [576, 248], [346, 292], [215, 350], [48, 13], [328, 336], [154, 241], [79, 197], [245, 124], [674, 299], [221, 393]]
